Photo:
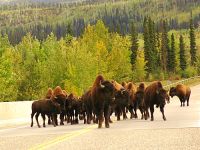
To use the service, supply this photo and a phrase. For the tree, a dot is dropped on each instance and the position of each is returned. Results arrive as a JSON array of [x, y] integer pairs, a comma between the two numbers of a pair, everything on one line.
[[171, 55], [193, 49], [139, 72], [164, 47], [119, 66], [147, 45], [183, 63], [134, 45]]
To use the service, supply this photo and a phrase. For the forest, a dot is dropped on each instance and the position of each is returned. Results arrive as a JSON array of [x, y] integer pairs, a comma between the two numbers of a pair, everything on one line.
[[40, 19], [37, 53]]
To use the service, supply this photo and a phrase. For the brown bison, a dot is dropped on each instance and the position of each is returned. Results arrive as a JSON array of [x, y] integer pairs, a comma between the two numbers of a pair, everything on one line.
[[49, 93], [74, 108], [60, 97], [87, 101], [48, 96], [155, 95], [182, 92], [44, 107], [102, 95], [139, 96], [122, 100], [131, 88]]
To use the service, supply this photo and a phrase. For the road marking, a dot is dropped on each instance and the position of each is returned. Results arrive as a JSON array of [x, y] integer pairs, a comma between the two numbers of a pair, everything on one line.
[[62, 138]]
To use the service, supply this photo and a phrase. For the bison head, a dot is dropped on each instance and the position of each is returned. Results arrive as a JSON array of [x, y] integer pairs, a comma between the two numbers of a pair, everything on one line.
[[172, 92], [162, 97], [139, 96], [108, 90]]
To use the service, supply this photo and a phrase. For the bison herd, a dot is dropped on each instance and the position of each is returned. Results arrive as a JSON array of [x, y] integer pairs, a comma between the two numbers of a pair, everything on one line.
[[103, 99]]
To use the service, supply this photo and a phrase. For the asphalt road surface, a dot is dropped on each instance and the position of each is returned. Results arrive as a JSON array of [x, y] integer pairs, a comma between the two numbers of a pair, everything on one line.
[[180, 131]]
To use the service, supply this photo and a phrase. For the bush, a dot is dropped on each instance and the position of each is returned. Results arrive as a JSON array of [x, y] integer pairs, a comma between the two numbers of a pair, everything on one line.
[[189, 72]]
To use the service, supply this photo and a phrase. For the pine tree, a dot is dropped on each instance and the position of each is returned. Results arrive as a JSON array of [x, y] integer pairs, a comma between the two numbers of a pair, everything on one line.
[[183, 64], [171, 55], [135, 45], [164, 47], [147, 45], [193, 49], [152, 43]]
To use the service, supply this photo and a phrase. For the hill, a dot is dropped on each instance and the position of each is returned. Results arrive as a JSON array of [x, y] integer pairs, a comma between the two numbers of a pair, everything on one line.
[[42, 18]]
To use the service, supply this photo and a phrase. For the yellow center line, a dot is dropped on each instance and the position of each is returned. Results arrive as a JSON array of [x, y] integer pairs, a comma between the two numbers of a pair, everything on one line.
[[62, 138]]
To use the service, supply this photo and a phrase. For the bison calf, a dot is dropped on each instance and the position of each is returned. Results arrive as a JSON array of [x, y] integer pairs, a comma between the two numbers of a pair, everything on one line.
[[44, 107]]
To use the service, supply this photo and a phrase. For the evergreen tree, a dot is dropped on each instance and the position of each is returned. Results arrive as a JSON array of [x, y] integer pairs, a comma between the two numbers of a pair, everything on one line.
[[134, 44], [147, 45], [152, 44], [183, 63], [193, 49], [164, 47], [171, 55]]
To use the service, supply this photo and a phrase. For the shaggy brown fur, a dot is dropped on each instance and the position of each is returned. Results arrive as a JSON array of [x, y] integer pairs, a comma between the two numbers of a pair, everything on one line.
[[139, 95], [102, 94], [60, 97], [131, 88], [117, 86], [155, 95], [124, 83], [182, 92], [49, 93]]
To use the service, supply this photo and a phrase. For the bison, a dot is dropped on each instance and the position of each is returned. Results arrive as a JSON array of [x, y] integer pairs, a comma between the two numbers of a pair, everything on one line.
[[139, 96], [155, 95], [87, 101], [122, 100], [74, 107], [60, 97], [44, 107], [131, 88], [48, 96], [182, 92], [102, 95]]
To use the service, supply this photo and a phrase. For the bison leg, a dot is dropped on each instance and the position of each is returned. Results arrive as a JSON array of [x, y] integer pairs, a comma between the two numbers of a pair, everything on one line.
[[36, 117], [53, 120], [131, 111], [117, 113], [43, 117], [110, 121], [135, 109], [100, 119], [49, 119], [188, 100], [152, 111], [88, 118], [142, 116], [32, 115], [84, 118], [162, 110], [124, 113], [107, 116], [62, 115]]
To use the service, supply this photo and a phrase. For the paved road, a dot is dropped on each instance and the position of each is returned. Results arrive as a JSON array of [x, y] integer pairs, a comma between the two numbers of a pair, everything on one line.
[[180, 131]]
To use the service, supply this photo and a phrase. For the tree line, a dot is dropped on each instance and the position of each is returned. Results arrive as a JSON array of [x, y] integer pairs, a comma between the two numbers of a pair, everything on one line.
[[30, 67]]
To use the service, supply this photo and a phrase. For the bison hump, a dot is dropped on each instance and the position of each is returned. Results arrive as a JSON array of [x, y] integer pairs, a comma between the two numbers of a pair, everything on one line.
[[98, 80]]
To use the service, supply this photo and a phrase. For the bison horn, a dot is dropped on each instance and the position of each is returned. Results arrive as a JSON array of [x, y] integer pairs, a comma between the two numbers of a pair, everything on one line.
[[102, 86], [157, 91], [122, 91]]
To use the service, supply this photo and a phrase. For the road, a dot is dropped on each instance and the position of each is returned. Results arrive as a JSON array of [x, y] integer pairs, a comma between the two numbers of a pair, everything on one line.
[[180, 131]]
